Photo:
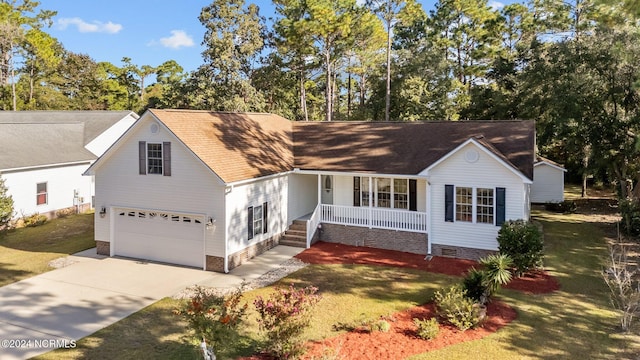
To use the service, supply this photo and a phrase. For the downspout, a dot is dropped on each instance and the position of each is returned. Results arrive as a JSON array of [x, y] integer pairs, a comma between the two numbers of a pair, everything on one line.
[[226, 232]]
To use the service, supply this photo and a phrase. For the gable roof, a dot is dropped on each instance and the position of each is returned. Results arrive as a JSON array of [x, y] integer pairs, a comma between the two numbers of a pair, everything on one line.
[[236, 146], [243, 146], [40, 138], [406, 148], [542, 160]]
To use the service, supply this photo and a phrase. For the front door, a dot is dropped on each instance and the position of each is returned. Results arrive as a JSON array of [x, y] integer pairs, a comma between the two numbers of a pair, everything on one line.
[[327, 189]]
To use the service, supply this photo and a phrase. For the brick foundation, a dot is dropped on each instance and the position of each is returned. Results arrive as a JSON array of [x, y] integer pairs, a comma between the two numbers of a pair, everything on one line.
[[103, 248], [376, 238], [459, 252], [215, 263]]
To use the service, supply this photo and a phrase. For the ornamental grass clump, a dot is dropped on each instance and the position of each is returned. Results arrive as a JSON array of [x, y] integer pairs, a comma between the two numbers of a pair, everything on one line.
[[213, 318], [283, 317]]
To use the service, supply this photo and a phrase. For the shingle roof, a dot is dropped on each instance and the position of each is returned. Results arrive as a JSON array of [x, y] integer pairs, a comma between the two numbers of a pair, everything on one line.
[[406, 148], [239, 146], [236, 146], [37, 138]]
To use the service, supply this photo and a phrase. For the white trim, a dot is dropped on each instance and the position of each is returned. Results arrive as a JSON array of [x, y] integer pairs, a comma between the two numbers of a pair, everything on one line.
[[517, 172], [361, 174], [47, 166], [127, 134], [543, 162], [253, 180]]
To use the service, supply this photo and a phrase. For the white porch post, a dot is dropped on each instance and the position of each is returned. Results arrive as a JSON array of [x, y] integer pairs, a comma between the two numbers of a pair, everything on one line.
[[429, 212], [319, 189], [370, 220]]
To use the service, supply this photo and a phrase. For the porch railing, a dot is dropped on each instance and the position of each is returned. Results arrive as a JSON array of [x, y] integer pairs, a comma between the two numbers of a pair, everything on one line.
[[373, 217], [312, 224]]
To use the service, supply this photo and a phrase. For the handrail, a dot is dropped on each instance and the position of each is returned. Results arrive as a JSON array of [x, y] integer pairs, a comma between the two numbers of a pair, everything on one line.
[[312, 224]]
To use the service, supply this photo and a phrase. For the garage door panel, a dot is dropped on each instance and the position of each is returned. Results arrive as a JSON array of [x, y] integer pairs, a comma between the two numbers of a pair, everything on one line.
[[160, 236]]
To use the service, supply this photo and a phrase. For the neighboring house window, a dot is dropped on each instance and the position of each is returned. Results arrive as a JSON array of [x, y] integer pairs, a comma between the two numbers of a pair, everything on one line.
[[464, 204], [154, 158], [476, 205], [41, 194], [484, 206], [257, 220]]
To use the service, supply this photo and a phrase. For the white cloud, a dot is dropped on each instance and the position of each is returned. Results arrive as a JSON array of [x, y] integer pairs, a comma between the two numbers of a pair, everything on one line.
[[85, 27], [178, 39], [495, 5]]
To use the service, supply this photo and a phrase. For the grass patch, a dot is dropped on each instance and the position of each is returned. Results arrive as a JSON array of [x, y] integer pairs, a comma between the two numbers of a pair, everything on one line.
[[575, 322], [26, 252]]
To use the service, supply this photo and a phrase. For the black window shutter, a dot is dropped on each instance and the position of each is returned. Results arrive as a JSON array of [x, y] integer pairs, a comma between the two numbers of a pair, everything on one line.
[[448, 203], [356, 191], [265, 218], [166, 158], [413, 195], [250, 222], [142, 157], [500, 206]]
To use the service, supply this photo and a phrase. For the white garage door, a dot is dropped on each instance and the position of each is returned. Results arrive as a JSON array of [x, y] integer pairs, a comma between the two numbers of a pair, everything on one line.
[[160, 236]]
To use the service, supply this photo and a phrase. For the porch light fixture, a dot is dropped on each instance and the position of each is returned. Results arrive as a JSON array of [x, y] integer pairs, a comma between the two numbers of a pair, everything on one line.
[[103, 212], [210, 223]]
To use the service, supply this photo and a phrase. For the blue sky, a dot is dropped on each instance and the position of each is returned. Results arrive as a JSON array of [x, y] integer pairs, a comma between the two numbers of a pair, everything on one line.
[[149, 32]]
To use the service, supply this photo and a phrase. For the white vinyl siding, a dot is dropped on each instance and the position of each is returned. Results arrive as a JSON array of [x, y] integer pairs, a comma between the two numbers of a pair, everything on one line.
[[303, 195], [548, 184], [192, 188], [274, 192], [61, 181], [485, 173]]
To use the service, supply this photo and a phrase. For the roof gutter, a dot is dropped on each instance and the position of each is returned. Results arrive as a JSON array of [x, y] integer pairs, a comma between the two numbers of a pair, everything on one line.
[[47, 166], [364, 174]]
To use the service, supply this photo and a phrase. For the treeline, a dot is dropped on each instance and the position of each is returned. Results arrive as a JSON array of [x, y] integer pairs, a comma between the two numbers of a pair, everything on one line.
[[572, 65]]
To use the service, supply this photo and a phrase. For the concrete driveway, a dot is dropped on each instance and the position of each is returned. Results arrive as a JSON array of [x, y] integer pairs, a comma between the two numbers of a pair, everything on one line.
[[56, 308]]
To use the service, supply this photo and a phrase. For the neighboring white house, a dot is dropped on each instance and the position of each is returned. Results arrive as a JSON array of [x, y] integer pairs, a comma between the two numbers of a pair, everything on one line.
[[43, 155], [548, 181], [213, 189]]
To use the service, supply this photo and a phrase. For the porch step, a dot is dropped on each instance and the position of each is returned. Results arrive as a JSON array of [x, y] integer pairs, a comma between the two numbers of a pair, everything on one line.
[[296, 235]]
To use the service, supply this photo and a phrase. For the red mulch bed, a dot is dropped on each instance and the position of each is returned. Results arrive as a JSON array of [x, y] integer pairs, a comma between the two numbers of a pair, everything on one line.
[[401, 341], [537, 282]]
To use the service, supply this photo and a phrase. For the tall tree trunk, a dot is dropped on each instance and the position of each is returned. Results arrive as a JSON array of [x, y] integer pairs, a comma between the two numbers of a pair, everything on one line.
[[303, 94], [387, 101], [329, 110], [349, 89], [585, 164]]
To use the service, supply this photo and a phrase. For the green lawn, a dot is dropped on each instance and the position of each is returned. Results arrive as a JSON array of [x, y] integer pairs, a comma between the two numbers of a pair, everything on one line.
[[573, 323], [26, 252]]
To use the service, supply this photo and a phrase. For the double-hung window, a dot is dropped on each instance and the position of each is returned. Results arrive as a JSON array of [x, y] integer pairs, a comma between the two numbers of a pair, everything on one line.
[[385, 193], [475, 205], [257, 220], [41, 194], [154, 158]]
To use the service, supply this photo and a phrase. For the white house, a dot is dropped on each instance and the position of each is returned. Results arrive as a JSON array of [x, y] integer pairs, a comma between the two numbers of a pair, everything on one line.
[[213, 189], [548, 181], [43, 155]]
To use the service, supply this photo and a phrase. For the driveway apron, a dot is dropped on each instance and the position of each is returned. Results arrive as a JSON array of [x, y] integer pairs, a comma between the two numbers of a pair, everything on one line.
[[56, 308]]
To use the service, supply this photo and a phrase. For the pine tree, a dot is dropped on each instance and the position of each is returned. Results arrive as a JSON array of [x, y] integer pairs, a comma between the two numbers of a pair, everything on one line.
[[6, 205]]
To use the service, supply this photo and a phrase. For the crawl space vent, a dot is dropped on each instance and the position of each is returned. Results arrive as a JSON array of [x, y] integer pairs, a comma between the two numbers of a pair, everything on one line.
[[449, 252]]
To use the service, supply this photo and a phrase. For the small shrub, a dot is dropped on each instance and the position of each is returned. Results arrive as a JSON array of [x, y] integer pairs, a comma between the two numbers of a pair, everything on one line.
[[565, 207], [283, 316], [455, 308], [630, 212], [213, 318], [34, 220], [427, 329], [62, 213], [6, 206], [381, 325], [522, 242], [622, 278], [473, 284]]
